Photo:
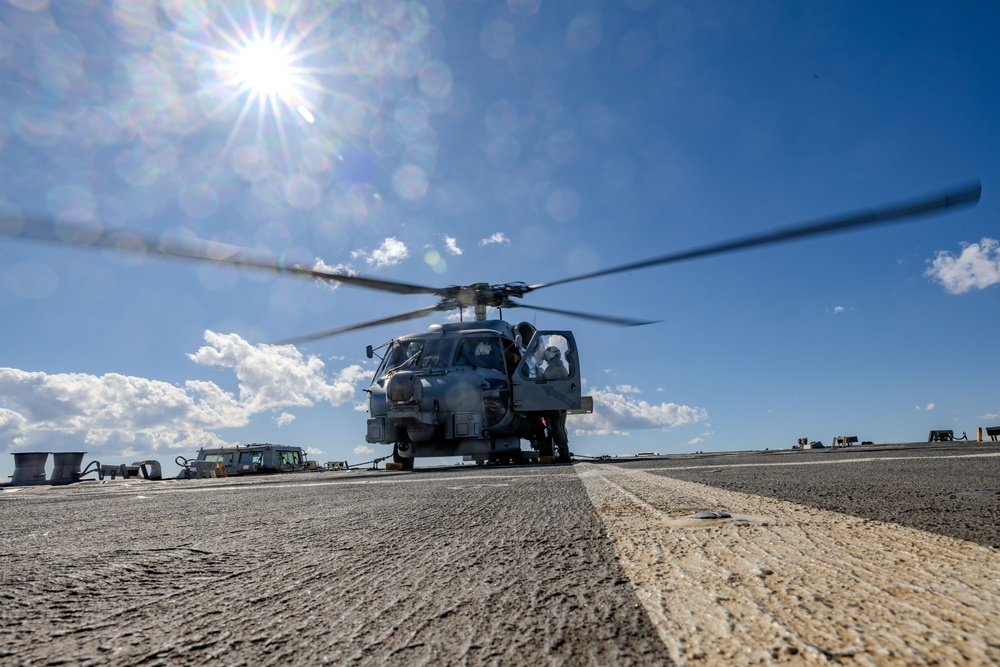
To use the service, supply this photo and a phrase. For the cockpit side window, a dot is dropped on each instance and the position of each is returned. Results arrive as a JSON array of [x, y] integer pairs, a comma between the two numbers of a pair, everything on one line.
[[402, 354]]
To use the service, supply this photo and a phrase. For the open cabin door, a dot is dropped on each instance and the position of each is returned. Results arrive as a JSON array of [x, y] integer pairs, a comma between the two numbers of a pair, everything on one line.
[[548, 375]]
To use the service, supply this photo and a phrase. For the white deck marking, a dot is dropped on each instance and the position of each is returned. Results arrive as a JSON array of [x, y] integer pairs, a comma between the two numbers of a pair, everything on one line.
[[808, 585], [813, 463]]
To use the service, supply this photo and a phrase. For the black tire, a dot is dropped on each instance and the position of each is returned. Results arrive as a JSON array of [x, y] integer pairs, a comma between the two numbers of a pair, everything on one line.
[[405, 461]]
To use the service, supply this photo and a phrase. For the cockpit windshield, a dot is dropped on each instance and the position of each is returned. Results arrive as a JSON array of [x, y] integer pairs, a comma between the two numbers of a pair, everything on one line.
[[417, 354], [480, 352]]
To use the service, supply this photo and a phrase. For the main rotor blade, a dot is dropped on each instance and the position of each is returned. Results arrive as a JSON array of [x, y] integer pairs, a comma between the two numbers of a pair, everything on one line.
[[962, 196], [354, 327], [193, 248], [608, 319]]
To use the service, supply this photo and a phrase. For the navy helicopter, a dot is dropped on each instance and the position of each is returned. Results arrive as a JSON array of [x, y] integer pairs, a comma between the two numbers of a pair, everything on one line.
[[474, 389]]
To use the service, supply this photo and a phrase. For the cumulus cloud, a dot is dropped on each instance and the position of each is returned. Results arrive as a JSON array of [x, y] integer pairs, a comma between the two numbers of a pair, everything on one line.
[[451, 244], [616, 413], [276, 376], [12, 427], [122, 415], [978, 266], [989, 416], [627, 389], [838, 309], [343, 269], [284, 419], [390, 253], [361, 450], [112, 413], [929, 406], [498, 238]]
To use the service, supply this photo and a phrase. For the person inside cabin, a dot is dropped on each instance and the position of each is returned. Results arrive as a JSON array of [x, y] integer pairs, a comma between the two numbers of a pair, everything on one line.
[[555, 369], [487, 355]]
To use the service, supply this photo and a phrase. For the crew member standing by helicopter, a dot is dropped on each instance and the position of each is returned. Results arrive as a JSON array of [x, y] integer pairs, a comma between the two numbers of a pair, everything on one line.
[[555, 369]]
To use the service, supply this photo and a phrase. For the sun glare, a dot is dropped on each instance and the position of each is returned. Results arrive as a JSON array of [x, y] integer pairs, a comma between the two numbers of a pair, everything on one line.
[[261, 70], [264, 68]]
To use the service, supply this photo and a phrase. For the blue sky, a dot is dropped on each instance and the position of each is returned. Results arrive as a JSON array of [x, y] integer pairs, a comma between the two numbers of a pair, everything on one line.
[[444, 143]]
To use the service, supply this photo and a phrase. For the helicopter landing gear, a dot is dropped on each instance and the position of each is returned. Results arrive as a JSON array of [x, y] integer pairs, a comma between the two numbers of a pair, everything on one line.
[[541, 442], [406, 462], [544, 446], [552, 441]]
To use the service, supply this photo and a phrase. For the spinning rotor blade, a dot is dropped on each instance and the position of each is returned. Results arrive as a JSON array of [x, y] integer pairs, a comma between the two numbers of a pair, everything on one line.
[[364, 325], [962, 196], [194, 248], [608, 319]]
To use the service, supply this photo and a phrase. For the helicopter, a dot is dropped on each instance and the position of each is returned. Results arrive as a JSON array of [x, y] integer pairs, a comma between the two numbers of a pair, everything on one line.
[[475, 388]]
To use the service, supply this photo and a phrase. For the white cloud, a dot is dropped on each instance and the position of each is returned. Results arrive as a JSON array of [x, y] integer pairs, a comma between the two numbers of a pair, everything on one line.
[[112, 414], [119, 415], [989, 416], [838, 309], [80, 402], [12, 427], [284, 419], [390, 253], [696, 441], [497, 238], [344, 269], [929, 406], [361, 450], [627, 389], [451, 244], [617, 414], [977, 267], [276, 376]]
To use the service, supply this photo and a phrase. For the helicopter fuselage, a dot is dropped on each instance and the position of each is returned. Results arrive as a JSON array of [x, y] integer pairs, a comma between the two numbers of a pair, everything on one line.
[[473, 389]]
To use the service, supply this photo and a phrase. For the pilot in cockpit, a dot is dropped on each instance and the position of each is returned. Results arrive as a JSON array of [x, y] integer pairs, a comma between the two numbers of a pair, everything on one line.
[[488, 355]]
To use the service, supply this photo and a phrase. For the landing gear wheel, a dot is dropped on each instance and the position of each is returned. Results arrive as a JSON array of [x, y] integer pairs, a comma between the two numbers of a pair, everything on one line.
[[405, 461]]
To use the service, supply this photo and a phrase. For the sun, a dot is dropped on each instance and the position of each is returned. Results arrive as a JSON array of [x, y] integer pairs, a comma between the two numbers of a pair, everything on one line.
[[259, 67], [264, 67]]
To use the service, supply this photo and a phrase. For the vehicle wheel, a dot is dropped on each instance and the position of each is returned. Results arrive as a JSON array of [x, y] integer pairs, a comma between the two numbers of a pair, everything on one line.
[[405, 461]]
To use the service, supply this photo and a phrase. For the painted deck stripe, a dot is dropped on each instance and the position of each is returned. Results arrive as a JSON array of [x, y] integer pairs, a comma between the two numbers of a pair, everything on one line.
[[866, 459], [806, 585]]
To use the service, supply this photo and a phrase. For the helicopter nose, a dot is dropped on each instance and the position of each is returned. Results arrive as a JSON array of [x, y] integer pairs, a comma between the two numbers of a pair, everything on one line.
[[404, 387]]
